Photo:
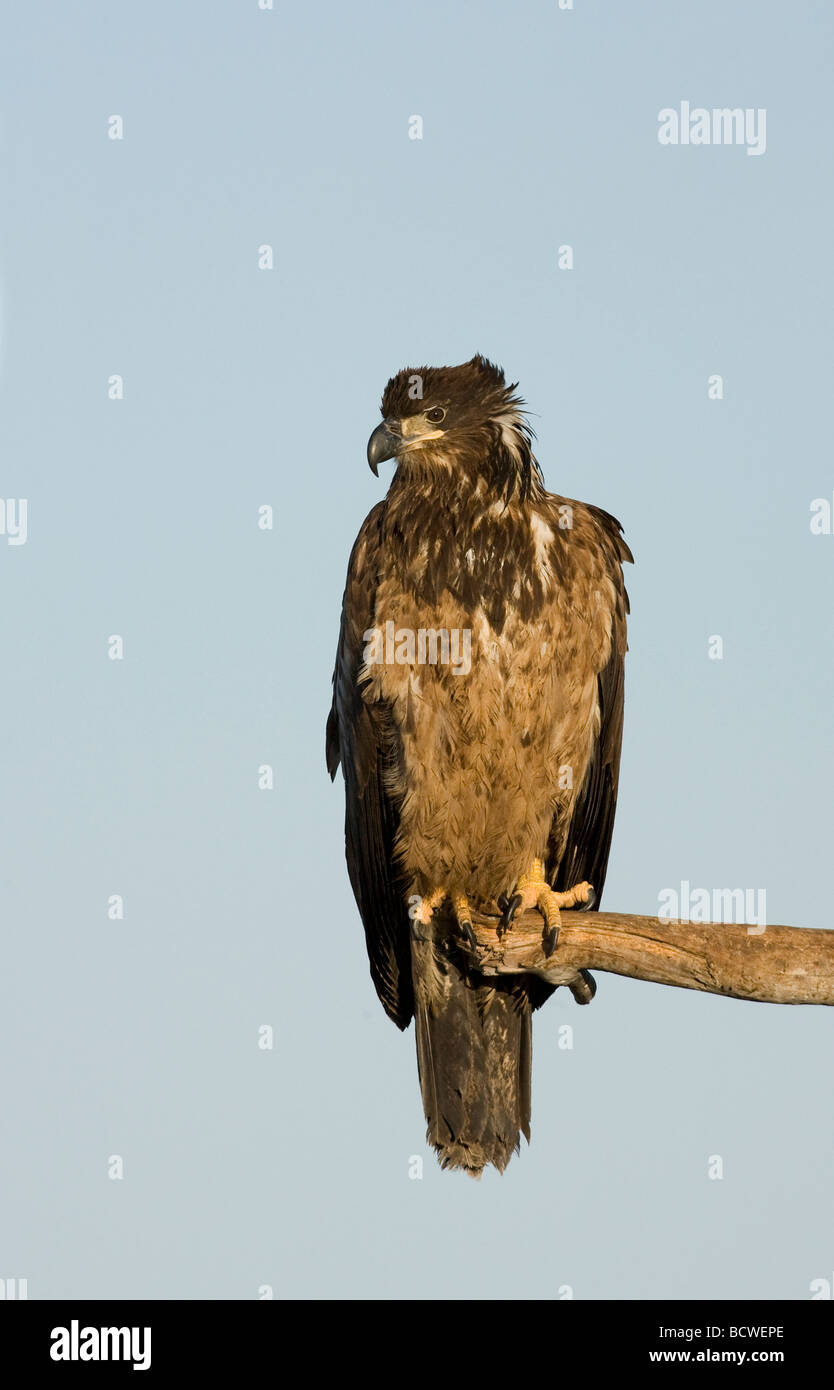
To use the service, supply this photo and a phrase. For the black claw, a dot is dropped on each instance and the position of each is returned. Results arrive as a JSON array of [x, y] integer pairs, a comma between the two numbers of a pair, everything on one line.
[[509, 908], [549, 941], [584, 987], [466, 928], [591, 902]]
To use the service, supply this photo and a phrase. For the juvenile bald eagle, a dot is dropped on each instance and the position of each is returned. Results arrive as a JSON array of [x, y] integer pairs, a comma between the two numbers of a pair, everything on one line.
[[477, 715]]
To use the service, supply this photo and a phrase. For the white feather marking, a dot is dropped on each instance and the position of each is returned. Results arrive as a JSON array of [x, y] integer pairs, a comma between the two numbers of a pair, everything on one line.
[[509, 424], [542, 540]]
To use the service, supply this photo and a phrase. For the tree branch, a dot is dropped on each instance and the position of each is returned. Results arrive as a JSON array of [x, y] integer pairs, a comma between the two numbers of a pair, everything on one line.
[[780, 965]]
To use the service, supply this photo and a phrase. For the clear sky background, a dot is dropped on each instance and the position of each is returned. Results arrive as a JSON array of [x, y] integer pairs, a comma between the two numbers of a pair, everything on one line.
[[289, 1167]]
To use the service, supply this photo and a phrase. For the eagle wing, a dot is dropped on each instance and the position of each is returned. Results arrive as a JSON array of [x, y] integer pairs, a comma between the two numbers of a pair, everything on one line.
[[363, 737], [585, 854]]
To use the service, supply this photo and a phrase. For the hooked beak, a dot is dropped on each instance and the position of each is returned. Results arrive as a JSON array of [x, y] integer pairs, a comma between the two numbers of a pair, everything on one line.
[[383, 444]]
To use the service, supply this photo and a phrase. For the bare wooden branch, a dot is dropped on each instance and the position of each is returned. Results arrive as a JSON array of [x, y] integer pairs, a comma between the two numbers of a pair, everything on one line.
[[777, 965]]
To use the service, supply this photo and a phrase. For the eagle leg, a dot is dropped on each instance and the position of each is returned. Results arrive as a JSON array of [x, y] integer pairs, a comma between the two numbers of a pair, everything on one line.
[[463, 916], [460, 907], [535, 891]]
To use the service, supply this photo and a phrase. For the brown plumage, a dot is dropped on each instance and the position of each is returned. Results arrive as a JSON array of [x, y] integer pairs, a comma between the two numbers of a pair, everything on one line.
[[466, 763]]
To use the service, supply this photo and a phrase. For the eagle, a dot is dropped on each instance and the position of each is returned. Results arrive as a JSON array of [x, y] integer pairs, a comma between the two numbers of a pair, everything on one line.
[[477, 716]]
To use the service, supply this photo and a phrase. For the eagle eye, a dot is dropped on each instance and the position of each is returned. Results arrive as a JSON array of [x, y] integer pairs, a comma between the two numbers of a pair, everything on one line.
[[436, 414]]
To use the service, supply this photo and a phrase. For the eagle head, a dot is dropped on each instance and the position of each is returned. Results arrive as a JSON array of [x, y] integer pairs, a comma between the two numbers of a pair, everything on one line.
[[461, 420]]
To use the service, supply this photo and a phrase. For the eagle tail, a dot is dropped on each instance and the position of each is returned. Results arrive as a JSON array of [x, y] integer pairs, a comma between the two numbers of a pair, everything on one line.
[[474, 1057]]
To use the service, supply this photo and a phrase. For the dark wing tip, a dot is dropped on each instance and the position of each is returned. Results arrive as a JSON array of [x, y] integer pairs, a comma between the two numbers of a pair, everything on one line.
[[332, 748]]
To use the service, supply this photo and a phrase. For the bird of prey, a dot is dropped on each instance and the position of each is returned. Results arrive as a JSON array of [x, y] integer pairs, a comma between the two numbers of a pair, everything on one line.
[[477, 716]]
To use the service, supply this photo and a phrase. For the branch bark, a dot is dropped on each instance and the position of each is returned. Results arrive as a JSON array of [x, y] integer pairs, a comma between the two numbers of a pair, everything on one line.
[[780, 965]]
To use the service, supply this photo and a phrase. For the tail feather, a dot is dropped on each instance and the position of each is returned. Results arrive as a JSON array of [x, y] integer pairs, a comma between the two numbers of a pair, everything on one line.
[[474, 1057]]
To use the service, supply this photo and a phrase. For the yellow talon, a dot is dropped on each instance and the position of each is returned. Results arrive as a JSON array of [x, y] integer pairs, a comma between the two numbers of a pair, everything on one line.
[[535, 891], [460, 907]]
